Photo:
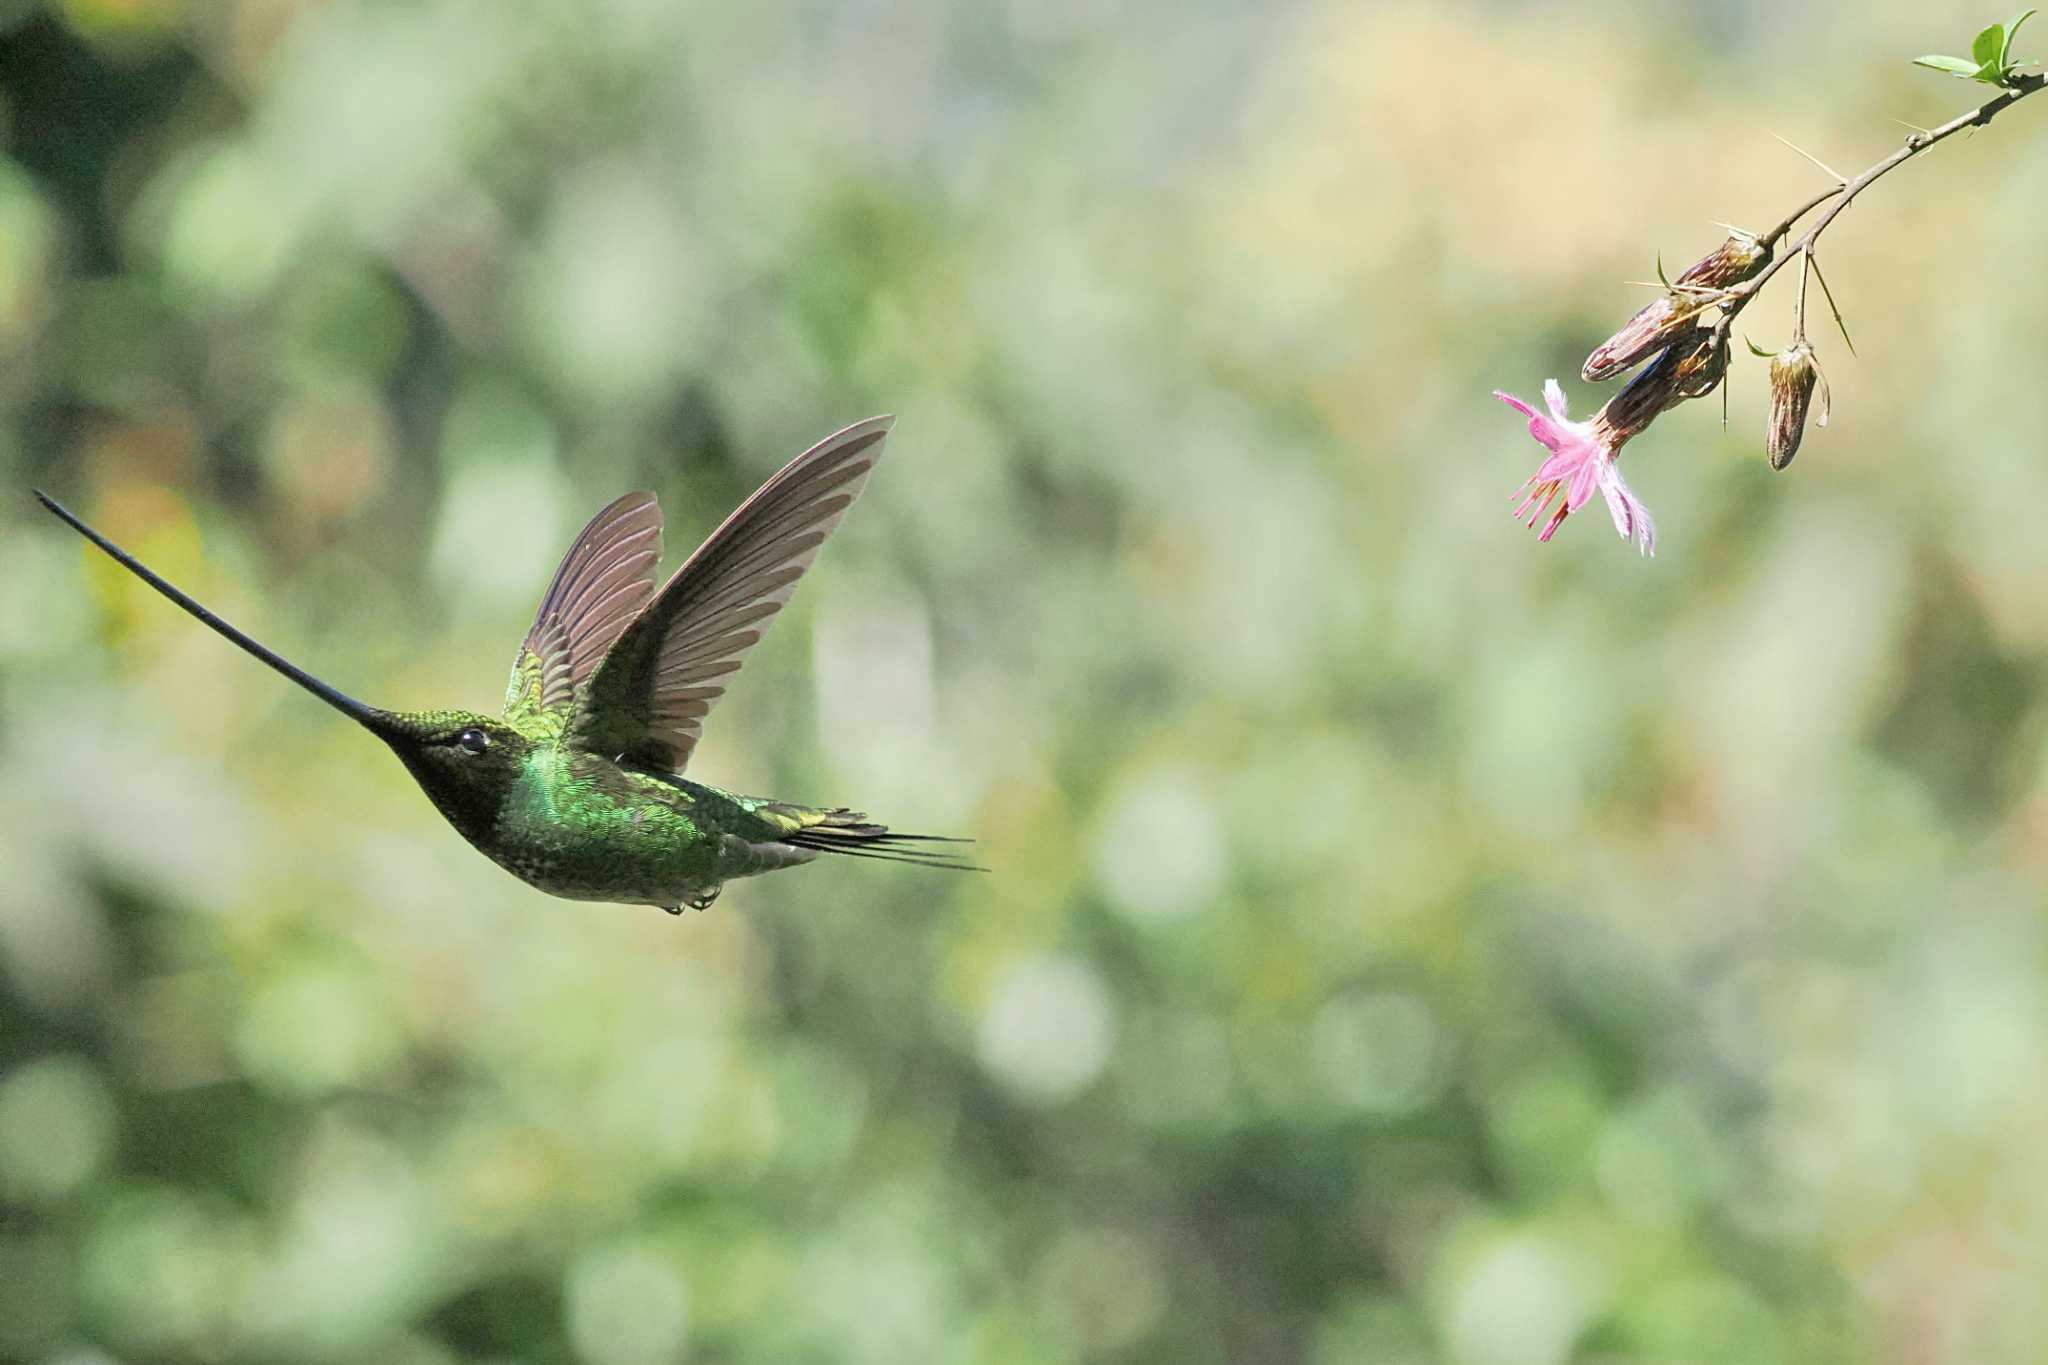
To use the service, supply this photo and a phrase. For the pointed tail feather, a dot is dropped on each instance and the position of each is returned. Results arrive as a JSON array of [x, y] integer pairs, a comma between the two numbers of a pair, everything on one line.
[[852, 834]]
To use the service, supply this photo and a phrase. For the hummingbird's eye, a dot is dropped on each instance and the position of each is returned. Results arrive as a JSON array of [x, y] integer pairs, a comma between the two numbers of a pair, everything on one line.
[[473, 741]]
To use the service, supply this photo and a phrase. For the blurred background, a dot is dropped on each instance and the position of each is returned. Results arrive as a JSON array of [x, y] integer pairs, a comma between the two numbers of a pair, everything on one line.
[[1407, 942]]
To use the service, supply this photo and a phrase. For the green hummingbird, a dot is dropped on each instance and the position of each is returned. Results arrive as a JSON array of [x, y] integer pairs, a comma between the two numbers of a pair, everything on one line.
[[578, 789]]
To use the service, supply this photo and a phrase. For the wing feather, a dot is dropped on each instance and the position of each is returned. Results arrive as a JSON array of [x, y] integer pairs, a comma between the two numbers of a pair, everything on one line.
[[650, 694], [603, 583]]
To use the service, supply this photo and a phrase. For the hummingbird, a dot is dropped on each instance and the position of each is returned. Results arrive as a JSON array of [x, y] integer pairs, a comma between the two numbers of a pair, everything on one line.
[[577, 788]]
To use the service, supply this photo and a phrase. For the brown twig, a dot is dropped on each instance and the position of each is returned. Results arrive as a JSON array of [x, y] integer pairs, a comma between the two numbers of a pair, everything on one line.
[[1799, 312], [1844, 194]]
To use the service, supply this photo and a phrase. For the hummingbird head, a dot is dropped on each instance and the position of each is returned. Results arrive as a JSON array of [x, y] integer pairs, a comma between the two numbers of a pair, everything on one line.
[[465, 762]]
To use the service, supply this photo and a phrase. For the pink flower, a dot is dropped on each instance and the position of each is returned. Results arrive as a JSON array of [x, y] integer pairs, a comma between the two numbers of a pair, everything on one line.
[[1581, 460]]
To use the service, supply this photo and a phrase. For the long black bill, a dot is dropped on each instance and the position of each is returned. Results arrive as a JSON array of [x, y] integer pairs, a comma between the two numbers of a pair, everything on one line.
[[368, 716]]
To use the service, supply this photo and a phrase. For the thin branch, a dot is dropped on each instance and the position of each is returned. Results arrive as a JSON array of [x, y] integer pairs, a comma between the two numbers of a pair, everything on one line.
[[1843, 195], [1799, 310], [1770, 239]]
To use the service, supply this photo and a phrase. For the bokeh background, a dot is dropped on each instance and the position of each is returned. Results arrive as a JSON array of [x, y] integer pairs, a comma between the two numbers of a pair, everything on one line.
[[1406, 943]]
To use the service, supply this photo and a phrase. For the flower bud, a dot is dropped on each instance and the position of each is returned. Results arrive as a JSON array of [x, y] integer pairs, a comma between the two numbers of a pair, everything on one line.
[[1651, 329], [1691, 367], [1630, 412], [1730, 263], [1702, 363], [1794, 372], [1663, 320]]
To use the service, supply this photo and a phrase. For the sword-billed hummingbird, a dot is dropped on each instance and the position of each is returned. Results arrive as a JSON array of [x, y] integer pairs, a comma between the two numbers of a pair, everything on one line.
[[577, 789]]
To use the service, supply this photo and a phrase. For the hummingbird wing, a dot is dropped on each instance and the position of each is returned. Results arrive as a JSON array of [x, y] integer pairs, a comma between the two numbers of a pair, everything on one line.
[[603, 583], [648, 699]]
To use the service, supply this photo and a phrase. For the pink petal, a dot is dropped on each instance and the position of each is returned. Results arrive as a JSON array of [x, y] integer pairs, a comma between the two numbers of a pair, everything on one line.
[[1618, 508], [1631, 517], [1584, 480], [1578, 463], [1563, 441]]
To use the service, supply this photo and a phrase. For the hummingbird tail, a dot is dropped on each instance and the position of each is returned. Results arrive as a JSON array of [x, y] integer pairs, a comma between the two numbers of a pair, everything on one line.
[[851, 833]]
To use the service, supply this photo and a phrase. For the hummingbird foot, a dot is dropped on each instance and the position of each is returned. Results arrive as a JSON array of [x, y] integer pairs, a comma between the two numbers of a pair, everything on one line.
[[700, 901]]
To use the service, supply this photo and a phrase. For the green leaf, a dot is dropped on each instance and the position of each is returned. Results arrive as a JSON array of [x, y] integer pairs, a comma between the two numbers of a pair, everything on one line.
[[2012, 30], [1988, 45], [1954, 66], [1757, 350], [1660, 271]]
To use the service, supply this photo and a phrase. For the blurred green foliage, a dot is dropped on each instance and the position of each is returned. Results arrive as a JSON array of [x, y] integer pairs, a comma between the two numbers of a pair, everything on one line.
[[1407, 943]]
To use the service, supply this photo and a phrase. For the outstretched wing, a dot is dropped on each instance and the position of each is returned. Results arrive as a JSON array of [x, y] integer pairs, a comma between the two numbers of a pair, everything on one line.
[[603, 583], [648, 699]]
